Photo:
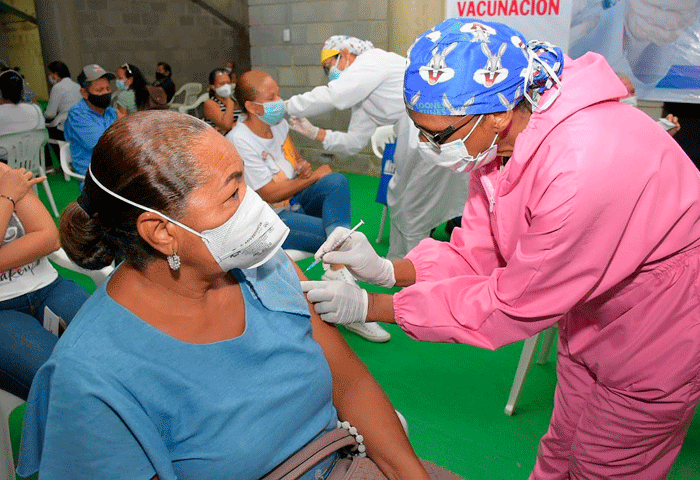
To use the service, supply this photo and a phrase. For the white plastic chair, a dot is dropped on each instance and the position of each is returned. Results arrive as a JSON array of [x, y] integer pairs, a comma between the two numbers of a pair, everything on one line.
[[190, 91], [66, 159], [60, 258], [200, 100], [381, 136], [526, 361], [26, 150], [8, 403]]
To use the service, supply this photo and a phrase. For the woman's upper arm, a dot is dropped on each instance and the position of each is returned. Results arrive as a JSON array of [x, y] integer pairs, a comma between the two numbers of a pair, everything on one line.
[[342, 360], [212, 111], [35, 217]]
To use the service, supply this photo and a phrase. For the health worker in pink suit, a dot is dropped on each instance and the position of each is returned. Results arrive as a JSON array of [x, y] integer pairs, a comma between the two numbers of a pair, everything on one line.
[[582, 212]]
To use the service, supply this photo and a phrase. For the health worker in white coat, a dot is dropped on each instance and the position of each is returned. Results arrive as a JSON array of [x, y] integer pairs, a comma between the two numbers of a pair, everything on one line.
[[369, 80]]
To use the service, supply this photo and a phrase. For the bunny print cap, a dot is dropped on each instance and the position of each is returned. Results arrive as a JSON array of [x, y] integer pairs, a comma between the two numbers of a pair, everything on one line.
[[470, 67], [336, 43]]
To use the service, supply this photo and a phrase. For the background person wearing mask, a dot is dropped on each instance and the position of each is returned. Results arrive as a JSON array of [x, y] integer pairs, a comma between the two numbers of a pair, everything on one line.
[[132, 94], [15, 116], [369, 80], [311, 203], [64, 94], [592, 224], [219, 109], [89, 118], [164, 79]]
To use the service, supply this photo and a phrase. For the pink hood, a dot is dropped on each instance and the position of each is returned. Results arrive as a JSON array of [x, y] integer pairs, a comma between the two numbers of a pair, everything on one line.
[[585, 81]]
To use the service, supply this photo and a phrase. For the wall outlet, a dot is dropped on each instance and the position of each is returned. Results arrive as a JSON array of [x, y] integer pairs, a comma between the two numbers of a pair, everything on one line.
[[286, 35]]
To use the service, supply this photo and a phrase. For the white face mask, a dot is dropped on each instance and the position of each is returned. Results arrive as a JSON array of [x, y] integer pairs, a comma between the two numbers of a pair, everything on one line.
[[52, 80], [455, 156], [248, 239], [630, 101], [224, 90]]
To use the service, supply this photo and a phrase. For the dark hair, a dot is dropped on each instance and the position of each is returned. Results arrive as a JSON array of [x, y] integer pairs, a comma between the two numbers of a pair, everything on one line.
[[59, 68], [138, 85], [147, 158], [11, 85], [214, 73], [166, 67]]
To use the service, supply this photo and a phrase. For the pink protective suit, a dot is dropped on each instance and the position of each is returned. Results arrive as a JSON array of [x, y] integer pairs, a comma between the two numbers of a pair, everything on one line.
[[593, 224]]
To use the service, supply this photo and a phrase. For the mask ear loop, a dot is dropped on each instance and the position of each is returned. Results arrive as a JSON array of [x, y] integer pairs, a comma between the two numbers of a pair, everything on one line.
[[134, 204], [553, 77]]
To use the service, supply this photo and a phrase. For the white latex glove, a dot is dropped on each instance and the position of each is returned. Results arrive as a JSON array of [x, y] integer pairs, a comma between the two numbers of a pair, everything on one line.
[[337, 301], [659, 21], [303, 126], [359, 257]]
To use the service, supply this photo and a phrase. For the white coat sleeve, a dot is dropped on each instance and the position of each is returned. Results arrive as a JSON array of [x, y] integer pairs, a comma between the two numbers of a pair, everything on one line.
[[356, 83], [359, 132]]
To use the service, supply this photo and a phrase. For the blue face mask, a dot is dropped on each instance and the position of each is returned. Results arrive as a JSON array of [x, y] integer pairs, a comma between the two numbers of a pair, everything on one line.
[[121, 85], [273, 112], [334, 73]]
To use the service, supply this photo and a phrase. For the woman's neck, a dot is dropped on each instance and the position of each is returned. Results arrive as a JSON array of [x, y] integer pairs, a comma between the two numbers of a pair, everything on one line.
[[257, 126]]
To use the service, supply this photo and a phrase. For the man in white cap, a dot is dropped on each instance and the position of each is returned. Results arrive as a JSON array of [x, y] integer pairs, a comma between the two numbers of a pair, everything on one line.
[[88, 119]]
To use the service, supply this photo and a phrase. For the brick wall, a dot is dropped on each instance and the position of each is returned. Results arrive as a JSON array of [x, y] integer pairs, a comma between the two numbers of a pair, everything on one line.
[[179, 32], [295, 64]]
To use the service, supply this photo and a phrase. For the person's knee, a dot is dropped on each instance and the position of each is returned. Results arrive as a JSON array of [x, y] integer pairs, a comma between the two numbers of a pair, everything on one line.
[[335, 180]]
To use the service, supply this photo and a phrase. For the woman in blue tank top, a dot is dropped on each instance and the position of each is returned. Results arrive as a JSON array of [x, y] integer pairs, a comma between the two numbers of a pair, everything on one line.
[[199, 357]]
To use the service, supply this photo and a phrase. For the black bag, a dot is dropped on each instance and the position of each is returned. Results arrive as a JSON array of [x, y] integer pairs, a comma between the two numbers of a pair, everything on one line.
[[157, 98]]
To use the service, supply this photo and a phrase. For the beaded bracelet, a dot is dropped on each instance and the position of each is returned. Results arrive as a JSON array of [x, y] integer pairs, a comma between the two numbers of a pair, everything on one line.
[[358, 438], [10, 199]]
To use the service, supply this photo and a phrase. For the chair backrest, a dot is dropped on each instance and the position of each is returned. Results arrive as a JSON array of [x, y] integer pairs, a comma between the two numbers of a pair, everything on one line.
[[200, 100], [60, 258], [66, 159], [190, 91], [25, 149]]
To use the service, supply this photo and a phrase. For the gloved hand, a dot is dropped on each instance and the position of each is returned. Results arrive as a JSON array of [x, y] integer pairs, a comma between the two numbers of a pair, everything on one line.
[[359, 257], [337, 301], [659, 21], [303, 126]]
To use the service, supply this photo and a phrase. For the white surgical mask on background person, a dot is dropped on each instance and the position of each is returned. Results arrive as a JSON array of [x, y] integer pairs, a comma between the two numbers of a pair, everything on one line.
[[52, 80], [455, 156], [630, 100], [224, 90], [252, 235], [121, 85]]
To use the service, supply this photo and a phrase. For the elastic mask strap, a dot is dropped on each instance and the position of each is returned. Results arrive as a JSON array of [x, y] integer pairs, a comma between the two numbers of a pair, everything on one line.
[[134, 204], [464, 140], [553, 77]]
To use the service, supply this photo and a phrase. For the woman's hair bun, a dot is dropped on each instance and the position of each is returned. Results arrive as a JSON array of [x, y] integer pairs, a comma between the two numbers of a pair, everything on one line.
[[84, 239]]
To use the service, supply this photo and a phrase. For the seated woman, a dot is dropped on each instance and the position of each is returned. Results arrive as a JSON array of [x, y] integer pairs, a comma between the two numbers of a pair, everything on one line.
[[16, 116], [28, 282], [132, 91], [220, 109], [311, 203], [199, 358]]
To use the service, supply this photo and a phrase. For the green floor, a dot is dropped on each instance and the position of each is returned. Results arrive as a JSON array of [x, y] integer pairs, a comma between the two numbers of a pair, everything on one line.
[[452, 395]]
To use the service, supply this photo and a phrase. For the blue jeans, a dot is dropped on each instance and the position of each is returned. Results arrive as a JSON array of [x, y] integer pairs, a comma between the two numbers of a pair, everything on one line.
[[24, 343], [325, 205]]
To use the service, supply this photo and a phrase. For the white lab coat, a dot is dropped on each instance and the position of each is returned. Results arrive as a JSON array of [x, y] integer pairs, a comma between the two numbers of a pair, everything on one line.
[[421, 195]]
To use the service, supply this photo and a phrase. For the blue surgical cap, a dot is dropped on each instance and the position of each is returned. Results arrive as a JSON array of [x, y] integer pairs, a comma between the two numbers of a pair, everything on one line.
[[468, 66]]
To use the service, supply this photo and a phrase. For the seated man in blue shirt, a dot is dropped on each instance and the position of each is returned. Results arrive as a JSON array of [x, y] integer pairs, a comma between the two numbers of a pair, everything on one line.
[[89, 118]]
